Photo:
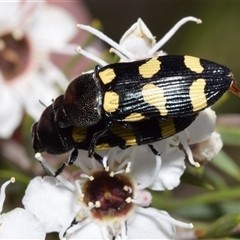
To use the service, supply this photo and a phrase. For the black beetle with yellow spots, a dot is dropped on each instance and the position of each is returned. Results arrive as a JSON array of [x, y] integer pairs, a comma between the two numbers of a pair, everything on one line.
[[48, 137], [156, 88]]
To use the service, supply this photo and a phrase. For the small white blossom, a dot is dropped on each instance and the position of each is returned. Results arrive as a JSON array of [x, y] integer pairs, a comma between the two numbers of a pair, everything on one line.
[[207, 149], [18, 223], [200, 140], [29, 32], [111, 201]]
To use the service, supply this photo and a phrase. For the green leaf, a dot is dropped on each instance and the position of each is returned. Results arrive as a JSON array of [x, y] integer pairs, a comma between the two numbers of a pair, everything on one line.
[[230, 135], [7, 174], [206, 198], [192, 179], [226, 164], [223, 227]]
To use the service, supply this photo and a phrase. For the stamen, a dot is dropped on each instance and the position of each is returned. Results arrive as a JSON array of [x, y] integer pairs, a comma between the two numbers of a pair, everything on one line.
[[119, 54], [91, 56], [111, 174], [90, 204], [96, 205], [17, 34], [79, 190], [76, 227], [108, 40], [188, 150], [126, 160], [162, 216], [105, 161], [61, 179], [127, 170], [69, 221], [197, 165], [106, 168], [170, 33], [2, 192], [83, 175], [80, 197], [127, 189], [133, 200]]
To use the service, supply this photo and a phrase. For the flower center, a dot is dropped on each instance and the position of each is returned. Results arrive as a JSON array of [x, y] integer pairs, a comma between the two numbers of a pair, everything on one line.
[[14, 54], [111, 193]]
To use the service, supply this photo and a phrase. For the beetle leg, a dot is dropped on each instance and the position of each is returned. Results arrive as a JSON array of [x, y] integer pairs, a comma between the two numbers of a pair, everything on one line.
[[154, 150], [72, 158], [98, 158], [95, 138]]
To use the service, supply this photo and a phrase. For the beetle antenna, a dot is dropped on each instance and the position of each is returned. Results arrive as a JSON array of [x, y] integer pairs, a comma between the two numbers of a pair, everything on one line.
[[43, 104]]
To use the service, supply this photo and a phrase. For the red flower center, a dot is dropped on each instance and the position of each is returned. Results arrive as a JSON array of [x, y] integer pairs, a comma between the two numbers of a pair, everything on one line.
[[111, 192]]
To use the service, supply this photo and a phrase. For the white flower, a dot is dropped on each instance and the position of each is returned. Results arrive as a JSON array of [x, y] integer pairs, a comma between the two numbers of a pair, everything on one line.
[[18, 223], [136, 43], [200, 140], [29, 32], [110, 202], [207, 149]]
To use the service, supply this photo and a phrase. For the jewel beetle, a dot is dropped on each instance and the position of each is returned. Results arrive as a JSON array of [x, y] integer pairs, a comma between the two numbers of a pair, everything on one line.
[[158, 88], [48, 137]]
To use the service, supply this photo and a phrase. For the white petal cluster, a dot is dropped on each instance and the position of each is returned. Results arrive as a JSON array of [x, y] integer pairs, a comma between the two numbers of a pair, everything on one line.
[[33, 23], [18, 223]]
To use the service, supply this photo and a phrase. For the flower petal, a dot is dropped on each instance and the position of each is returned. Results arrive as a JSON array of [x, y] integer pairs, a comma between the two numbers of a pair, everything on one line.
[[50, 201], [143, 162], [202, 127], [20, 224], [8, 9], [11, 111], [141, 226], [208, 149], [53, 26], [89, 231], [138, 39], [173, 166]]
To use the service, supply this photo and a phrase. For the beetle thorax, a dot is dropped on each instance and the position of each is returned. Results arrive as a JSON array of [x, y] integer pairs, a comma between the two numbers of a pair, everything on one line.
[[82, 101]]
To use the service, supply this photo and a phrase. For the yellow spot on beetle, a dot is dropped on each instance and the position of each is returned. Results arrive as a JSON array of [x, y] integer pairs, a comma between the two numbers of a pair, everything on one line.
[[154, 95], [167, 128], [79, 134], [102, 146], [107, 75], [126, 134], [111, 101], [193, 63], [151, 67], [133, 117], [197, 94]]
